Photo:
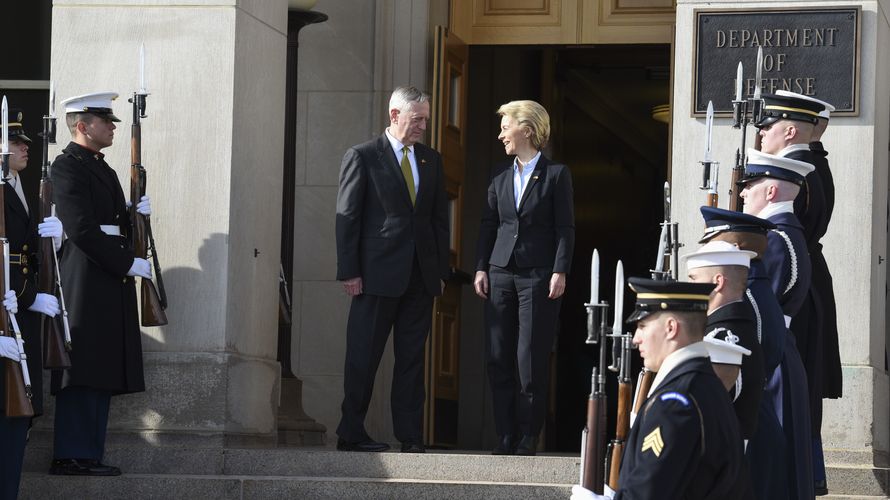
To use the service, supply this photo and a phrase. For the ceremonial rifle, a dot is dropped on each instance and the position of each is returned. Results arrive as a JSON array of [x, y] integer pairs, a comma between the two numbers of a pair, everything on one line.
[[621, 345], [667, 258], [17, 379], [740, 120], [56, 337], [593, 446], [154, 299], [710, 170]]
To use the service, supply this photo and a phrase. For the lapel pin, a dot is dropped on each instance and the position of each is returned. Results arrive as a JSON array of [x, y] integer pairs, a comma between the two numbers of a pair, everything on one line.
[[422, 161], [535, 178]]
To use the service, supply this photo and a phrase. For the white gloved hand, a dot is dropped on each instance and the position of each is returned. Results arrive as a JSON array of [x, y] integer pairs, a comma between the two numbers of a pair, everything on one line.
[[51, 227], [144, 206], [608, 492], [581, 493], [140, 267], [9, 348], [45, 303], [10, 302]]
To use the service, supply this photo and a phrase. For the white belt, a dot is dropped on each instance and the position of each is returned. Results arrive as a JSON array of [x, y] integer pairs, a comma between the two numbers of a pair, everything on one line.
[[110, 230], [787, 321]]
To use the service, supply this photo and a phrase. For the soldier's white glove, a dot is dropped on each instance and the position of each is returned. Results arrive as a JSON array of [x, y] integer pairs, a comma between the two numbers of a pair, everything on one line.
[[51, 227], [140, 267], [10, 302], [45, 303], [9, 348], [144, 206], [581, 493]]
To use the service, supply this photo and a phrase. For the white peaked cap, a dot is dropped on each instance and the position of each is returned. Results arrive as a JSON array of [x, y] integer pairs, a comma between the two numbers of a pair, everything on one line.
[[97, 103], [719, 253], [726, 350], [825, 113]]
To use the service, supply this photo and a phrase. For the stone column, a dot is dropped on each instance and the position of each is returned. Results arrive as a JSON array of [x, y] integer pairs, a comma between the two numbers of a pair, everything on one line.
[[855, 427], [212, 146]]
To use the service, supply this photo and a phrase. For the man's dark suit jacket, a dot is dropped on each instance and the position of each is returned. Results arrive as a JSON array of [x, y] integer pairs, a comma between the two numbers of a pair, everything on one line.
[[379, 232], [541, 233]]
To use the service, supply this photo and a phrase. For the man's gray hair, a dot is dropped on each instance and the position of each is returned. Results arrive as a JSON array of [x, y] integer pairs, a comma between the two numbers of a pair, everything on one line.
[[403, 96]]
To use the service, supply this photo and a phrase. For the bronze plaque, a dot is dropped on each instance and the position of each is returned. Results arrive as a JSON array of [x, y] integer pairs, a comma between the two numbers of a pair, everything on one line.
[[814, 52]]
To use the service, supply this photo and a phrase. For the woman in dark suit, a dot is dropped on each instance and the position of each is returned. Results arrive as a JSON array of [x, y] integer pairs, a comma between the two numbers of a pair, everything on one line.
[[523, 254]]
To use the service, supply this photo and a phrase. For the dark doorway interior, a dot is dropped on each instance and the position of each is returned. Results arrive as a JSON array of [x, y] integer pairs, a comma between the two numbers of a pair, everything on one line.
[[600, 100]]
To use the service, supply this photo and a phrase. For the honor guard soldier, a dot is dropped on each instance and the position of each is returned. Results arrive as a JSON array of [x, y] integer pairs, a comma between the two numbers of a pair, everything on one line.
[[816, 324], [730, 316], [685, 443], [771, 184], [98, 268], [779, 453], [22, 231]]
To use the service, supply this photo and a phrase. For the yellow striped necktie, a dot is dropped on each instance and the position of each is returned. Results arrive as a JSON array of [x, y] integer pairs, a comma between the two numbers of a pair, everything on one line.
[[409, 176]]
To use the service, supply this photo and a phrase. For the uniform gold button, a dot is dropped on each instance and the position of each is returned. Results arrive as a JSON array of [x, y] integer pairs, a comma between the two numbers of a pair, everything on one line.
[[24, 270], [124, 280], [25, 248]]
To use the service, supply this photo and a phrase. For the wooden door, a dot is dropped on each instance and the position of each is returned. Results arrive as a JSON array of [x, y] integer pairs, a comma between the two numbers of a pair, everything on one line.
[[448, 128]]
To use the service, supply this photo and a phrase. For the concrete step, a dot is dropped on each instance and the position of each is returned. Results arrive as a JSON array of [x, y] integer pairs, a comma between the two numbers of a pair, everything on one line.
[[154, 486], [863, 479]]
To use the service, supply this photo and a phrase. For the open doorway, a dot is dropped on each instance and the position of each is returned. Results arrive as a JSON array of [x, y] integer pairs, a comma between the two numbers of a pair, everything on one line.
[[600, 100]]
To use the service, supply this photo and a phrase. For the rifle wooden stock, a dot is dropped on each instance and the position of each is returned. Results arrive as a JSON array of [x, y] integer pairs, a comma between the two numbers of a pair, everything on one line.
[[622, 426], [644, 383], [55, 349], [595, 446], [153, 297]]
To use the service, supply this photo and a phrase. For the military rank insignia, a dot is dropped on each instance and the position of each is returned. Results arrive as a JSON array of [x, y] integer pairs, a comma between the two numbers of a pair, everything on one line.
[[653, 442]]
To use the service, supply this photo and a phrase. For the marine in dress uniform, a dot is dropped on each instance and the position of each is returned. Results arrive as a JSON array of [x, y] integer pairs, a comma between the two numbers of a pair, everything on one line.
[[730, 316], [97, 266], [22, 234], [685, 443], [816, 325]]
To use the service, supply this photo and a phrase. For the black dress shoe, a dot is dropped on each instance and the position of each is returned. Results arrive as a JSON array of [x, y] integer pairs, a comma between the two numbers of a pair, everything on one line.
[[365, 446], [528, 446], [505, 446], [820, 488], [82, 467], [413, 447]]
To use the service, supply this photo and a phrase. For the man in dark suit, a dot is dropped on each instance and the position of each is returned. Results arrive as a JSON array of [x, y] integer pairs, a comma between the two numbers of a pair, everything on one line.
[[24, 300], [98, 267], [392, 257]]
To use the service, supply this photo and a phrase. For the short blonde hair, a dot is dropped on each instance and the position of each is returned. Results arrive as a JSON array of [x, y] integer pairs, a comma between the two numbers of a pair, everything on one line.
[[531, 115]]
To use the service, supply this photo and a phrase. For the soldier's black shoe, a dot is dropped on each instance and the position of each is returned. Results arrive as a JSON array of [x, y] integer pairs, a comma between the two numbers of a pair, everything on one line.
[[505, 446], [528, 446], [820, 488], [365, 446], [82, 467]]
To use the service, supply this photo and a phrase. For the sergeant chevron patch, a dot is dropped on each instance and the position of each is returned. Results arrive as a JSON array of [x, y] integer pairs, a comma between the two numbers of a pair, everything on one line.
[[653, 442]]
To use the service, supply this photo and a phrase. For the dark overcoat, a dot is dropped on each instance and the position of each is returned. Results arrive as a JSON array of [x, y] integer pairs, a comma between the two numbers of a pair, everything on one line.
[[788, 262], [685, 444], [21, 231], [101, 298], [738, 318]]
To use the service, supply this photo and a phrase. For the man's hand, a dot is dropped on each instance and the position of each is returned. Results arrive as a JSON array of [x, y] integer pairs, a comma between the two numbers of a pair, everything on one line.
[[45, 303], [144, 206], [9, 348], [10, 302], [51, 227], [480, 283], [140, 267], [353, 286], [557, 285], [581, 493]]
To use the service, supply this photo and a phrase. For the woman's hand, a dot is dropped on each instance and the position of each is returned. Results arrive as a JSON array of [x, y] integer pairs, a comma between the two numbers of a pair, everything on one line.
[[480, 283], [557, 285]]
